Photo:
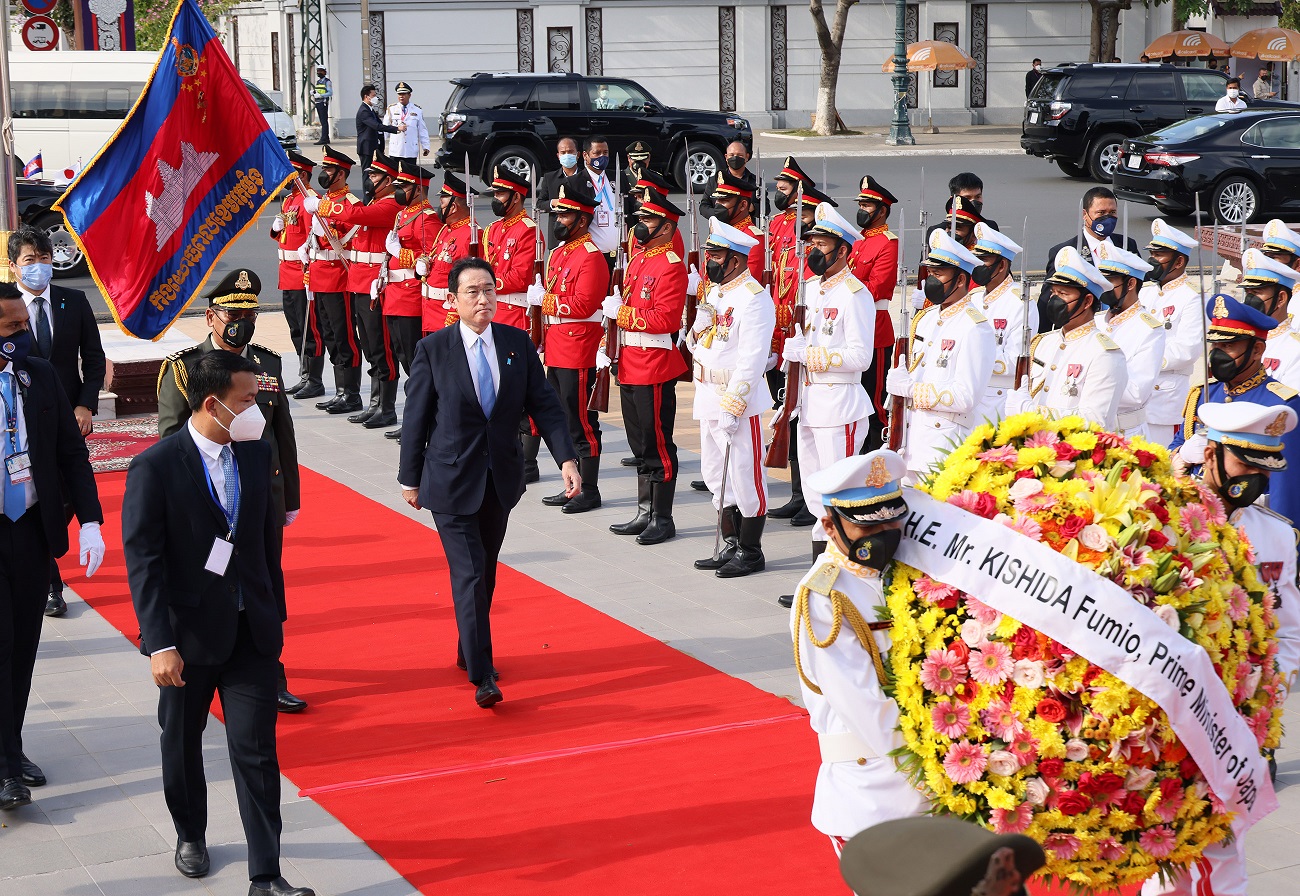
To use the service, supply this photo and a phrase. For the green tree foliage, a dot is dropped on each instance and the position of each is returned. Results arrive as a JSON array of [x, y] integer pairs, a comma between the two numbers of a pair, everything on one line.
[[154, 17]]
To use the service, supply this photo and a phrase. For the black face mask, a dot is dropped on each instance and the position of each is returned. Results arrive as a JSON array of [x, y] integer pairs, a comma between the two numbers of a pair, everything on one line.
[[1057, 311], [1225, 367], [865, 217], [642, 233], [402, 195], [977, 206], [238, 333], [711, 209], [872, 551], [498, 208], [716, 271], [934, 289], [559, 231], [805, 231], [982, 275], [819, 262], [1265, 306], [325, 179], [781, 201], [735, 163], [1157, 272], [444, 208], [1239, 491], [1111, 299]]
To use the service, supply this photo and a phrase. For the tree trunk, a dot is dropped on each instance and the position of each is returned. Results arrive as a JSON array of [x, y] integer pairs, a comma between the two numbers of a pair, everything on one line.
[[831, 40], [1094, 44], [1112, 34]]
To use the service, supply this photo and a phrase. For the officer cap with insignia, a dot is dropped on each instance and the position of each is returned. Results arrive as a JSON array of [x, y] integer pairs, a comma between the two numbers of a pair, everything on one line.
[[1072, 270], [337, 159], [992, 242], [1280, 238], [402, 87], [505, 179], [658, 206], [652, 180], [1251, 431], [1170, 238], [947, 252], [1111, 259], [865, 488], [870, 190], [575, 195], [815, 197], [237, 291], [724, 236], [938, 856], [962, 209], [301, 163], [414, 174], [791, 172], [1260, 270], [387, 167], [452, 185], [829, 221], [638, 151], [1231, 320], [729, 184]]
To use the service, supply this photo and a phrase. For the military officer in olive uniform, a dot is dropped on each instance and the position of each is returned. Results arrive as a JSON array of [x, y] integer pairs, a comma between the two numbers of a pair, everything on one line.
[[232, 316]]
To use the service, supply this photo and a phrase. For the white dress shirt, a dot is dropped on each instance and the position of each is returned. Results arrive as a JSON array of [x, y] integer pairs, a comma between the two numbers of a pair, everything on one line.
[[469, 337], [605, 237], [29, 299], [29, 487], [1228, 104]]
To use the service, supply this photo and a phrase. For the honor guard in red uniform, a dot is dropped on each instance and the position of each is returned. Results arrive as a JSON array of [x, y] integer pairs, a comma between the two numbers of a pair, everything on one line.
[[875, 262], [411, 239], [510, 246], [452, 244], [649, 314], [732, 202], [368, 257], [327, 278], [577, 282], [290, 229], [647, 184]]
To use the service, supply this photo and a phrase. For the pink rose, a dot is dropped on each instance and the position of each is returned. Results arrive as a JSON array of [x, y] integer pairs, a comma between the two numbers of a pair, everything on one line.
[[1169, 616], [1028, 673], [1004, 763], [1076, 750], [1036, 791], [1139, 778]]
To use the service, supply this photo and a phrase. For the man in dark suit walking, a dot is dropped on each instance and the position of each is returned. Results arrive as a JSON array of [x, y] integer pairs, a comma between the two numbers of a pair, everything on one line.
[[201, 537], [369, 127], [64, 333], [45, 460], [469, 386], [1100, 215]]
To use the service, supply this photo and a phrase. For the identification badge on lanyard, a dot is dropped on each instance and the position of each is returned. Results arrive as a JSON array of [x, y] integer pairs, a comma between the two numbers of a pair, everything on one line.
[[219, 557], [20, 467], [602, 217]]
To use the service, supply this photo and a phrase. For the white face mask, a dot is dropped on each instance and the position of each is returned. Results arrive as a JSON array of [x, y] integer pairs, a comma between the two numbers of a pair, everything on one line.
[[248, 424], [1232, 93]]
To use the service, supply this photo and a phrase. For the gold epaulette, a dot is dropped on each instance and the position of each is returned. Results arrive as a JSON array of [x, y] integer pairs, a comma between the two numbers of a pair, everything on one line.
[[753, 286], [591, 247], [1150, 321], [853, 284], [180, 373], [673, 257], [975, 315], [529, 222], [822, 579], [1282, 390], [1107, 343], [890, 235]]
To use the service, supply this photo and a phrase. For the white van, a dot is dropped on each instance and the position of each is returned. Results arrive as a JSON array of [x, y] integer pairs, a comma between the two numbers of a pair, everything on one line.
[[67, 104]]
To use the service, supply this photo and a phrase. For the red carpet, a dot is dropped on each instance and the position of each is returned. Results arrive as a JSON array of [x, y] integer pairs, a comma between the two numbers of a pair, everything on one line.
[[113, 443], [615, 763]]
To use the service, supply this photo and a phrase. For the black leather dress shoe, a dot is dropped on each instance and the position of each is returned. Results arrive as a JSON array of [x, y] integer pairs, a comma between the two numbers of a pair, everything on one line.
[[395, 434], [32, 774], [286, 702], [192, 858], [278, 887], [786, 600], [556, 500], [14, 793], [55, 605], [802, 517], [628, 461], [699, 485], [310, 390], [488, 694]]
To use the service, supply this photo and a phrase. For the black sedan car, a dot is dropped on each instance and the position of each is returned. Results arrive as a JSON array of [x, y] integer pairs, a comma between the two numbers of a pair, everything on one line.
[[35, 207], [1245, 166]]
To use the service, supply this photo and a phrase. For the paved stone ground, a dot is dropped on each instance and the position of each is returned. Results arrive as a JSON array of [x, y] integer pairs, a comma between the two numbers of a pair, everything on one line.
[[101, 828]]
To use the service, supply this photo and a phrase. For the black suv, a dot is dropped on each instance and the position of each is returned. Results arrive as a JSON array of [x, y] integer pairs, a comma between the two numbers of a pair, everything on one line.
[[35, 207], [1079, 115], [515, 120]]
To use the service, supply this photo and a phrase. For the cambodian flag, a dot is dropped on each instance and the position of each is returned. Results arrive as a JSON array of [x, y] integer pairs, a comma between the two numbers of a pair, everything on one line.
[[190, 169], [34, 167]]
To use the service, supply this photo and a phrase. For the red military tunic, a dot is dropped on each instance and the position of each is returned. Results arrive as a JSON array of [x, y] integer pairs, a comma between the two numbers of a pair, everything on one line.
[[366, 252], [297, 227], [678, 246], [654, 294], [785, 277], [874, 261], [417, 227], [450, 245], [758, 254], [510, 246], [327, 272], [577, 281]]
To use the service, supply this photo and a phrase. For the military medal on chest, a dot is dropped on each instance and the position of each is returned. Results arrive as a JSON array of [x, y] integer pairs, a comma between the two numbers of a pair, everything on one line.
[[510, 245], [291, 216], [1169, 317], [1072, 374], [829, 315], [647, 288], [1000, 329], [723, 328], [945, 349]]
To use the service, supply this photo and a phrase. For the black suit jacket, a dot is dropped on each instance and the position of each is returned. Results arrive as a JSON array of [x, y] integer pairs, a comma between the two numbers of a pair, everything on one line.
[[1117, 238], [169, 521], [77, 352], [447, 443], [60, 460], [369, 127]]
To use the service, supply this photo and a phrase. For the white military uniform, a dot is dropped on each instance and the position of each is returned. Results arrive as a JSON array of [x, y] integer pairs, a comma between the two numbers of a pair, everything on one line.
[[1274, 540], [1178, 305], [409, 143], [1142, 340], [1005, 309], [1081, 372], [1282, 355]]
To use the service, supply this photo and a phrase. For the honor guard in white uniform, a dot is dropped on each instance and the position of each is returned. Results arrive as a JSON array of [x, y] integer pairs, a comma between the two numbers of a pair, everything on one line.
[[1000, 300], [1269, 285], [841, 652], [1074, 368], [1137, 332], [412, 138], [1172, 300], [834, 408], [952, 354], [730, 340]]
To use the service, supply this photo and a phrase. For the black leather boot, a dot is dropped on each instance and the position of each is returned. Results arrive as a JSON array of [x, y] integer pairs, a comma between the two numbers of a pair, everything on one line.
[[313, 387], [373, 407], [340, 382], [532, 444], [351, 400], [749, 555], [787, 600], [638, 523], [730, 524], [387, 413], [791, 508], [661, 526], [589, 497]]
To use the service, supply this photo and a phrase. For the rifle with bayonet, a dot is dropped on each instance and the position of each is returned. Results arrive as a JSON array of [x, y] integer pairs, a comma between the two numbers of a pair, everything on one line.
[[903, 344], [330, 236], [692, 261], [778, 453], [475, 237], [763, 222], [535, 330], [600, 388], [1023, 360]]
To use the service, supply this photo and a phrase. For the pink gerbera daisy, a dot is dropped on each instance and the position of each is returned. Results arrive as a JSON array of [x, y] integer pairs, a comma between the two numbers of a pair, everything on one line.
[[1001, 721], [1158, 842], [933, 592], [1063, 846], [1025, 748], [1026, 526], [981, 611], [1238, 604], [1004, 455], [1012, 821], [1042, 439], [1195, 520], [942, 671], [1109, 849], [951, 719], [991, 664], [1213, 506], [965, 762]]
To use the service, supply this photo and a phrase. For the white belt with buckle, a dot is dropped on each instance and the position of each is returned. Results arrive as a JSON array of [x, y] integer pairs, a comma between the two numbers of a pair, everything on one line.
[[318, 254], [647, 340], [367, 257], [703, 374], [436, 293], [1127, 420], [594, 319], [288, 255], [845, 747], [882, 304], [397, 275], [518, 299]]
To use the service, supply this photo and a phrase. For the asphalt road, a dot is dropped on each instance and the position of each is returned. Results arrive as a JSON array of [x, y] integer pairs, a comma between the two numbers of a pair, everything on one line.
[[1016, 188]]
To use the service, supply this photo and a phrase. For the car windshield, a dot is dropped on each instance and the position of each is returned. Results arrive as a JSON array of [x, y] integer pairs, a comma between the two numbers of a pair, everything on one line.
[[1189, 129], [1047, 86], [264, 103]]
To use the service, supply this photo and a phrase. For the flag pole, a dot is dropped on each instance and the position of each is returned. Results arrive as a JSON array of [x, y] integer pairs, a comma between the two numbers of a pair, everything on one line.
[[8, 189]]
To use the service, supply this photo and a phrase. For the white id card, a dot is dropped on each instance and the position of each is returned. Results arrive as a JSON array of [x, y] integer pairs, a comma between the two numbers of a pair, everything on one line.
[[219, 558], [602, 217], [20, 467]]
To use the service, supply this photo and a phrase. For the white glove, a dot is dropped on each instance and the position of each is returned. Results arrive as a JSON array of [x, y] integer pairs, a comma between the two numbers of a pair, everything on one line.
[[311, 202], [1019, 400], [422, 266], [728, 424], [316, 226], [1192, 451], [304, 254], [772, 361], [92, 548], [610, 306], [374, 289], [536, 292], [693, 282], [290, 516], [796, 347], [918, 299], [277, 223], [899, 382], [393, 244], [704, 318], [602, 360]]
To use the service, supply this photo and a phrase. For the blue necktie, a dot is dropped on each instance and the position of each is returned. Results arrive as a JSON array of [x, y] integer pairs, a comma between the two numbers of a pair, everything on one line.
[[232, 496], [15, 496], [487, 396]]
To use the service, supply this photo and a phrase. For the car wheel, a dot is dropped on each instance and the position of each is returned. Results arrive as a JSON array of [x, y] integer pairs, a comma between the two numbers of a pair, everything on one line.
[[701, 166], [68, 258], [515, 159], [1070, 169], [1236, 201], [1103, 157]]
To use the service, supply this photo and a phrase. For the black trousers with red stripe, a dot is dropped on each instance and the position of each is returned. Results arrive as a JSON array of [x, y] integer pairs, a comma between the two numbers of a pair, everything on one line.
[[335, 312], [648, 415], [574, 388], [873, 380], [376, 344], [403, 334], [294, 302]]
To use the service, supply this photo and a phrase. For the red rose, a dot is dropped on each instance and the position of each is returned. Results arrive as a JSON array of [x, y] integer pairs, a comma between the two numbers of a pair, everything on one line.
[[1024, 644], [1091, 675], [1156, 540], [1051, 768], [967, 692], [1107, 782], [1025, 474], [1134, 803], [961, 649], [1098, 455], [1065, 451], [1188, 768], [1072, 526], [1072, 802], [1169, 788], [986, 505], [1144, 458], [1160, 512], [1124, 473], [1049, 709]]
